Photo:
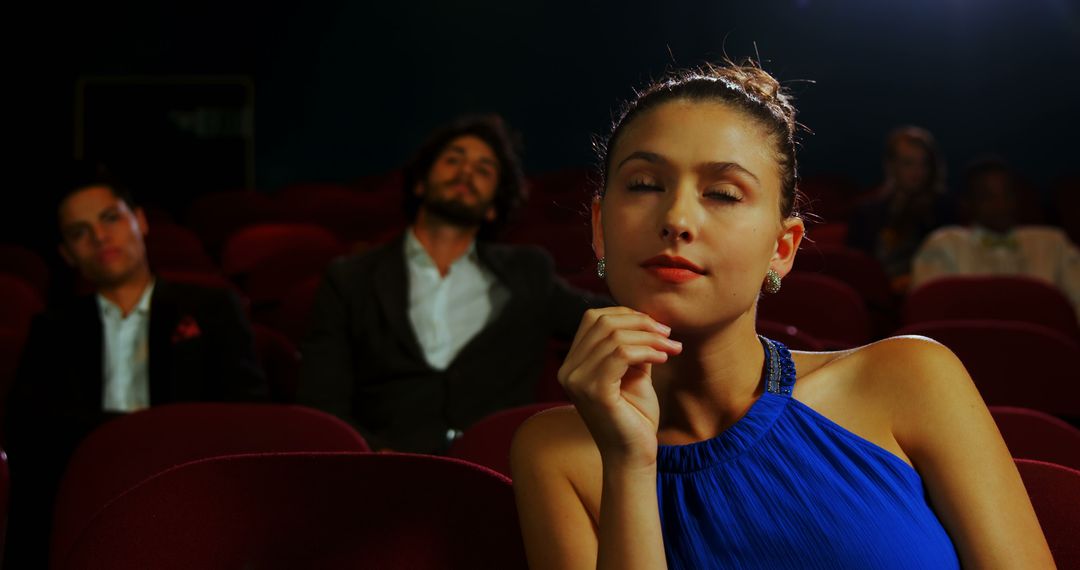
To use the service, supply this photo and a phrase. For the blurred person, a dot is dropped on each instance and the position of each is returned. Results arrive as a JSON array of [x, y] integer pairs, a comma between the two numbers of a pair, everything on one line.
[[694, 442], [415, 340], [137, 341], [993, 243], [911, 203]]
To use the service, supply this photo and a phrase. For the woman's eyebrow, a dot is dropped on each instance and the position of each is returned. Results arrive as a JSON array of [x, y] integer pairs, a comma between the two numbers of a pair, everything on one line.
[[729, 167], [643, 155]]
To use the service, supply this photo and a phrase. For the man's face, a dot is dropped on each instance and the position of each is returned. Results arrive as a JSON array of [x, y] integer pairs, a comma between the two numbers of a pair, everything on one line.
[[102, 236], [993, 201], [460, 186]]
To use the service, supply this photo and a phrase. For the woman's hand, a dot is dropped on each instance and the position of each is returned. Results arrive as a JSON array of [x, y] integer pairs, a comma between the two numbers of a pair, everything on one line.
[[607, 374]]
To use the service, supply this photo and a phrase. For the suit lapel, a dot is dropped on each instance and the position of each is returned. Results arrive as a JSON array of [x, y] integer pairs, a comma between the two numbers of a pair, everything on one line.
[[163, 319], [392, 289], [90, 342]]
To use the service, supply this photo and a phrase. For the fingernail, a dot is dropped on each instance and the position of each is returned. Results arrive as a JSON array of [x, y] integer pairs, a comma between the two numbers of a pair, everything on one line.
[[674, 343], [663, 328]]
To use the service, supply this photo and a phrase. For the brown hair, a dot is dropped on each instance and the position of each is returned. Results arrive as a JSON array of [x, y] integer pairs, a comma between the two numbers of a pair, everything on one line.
[[744, 86]]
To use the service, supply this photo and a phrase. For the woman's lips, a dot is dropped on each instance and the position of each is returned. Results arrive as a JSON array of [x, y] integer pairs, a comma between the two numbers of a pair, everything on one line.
[[672, 274]]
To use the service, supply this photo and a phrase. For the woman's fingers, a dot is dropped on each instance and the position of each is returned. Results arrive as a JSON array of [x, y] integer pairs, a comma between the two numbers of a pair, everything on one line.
[[599, 327], [604, 369]]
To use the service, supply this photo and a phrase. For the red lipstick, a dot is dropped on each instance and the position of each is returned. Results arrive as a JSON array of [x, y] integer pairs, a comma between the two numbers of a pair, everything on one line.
[[672, 269]]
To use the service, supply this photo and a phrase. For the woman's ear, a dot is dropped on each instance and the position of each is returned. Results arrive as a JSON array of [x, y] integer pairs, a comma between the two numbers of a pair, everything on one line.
[[597, 229], [787, 244]]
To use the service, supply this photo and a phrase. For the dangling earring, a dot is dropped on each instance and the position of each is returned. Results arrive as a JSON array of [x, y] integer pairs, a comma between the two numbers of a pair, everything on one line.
[[772, 282], [601, 267]]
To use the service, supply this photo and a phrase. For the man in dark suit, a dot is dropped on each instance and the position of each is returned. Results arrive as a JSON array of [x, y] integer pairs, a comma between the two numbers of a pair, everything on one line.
[[137, 342], [415, 340]]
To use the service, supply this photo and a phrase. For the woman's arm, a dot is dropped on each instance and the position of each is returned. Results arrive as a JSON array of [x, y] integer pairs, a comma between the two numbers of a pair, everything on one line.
[[942, 424], [607, 375]]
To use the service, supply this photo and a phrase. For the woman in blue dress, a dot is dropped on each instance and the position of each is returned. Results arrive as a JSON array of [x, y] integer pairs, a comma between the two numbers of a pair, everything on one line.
[[695, 443]]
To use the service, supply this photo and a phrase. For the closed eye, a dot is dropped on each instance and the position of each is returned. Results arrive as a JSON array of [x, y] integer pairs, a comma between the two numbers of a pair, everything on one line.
[[723, 197], [644, 187]]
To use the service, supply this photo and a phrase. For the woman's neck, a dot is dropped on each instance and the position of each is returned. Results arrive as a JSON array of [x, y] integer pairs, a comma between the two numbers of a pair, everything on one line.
[[711, 384]]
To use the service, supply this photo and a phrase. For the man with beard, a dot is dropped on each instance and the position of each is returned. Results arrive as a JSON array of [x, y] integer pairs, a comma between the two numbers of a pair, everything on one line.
[[415, 340]]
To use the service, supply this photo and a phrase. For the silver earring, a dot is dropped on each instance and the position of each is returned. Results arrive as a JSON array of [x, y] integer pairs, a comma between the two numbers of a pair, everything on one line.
[[601, 267], [772, 282]]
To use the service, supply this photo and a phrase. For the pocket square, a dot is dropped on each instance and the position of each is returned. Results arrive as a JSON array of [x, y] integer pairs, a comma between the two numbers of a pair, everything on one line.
[[186, 329]]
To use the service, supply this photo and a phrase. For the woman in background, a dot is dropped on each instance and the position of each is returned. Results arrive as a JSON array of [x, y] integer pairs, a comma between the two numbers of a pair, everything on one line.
[[695, 443]]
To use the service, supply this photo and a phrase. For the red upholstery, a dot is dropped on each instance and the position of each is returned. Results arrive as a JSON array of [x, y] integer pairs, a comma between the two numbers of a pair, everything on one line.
[[862, 272], [215, 216], [5, 498], [833, 234], [23, 263], [129, 449], [1013, 363], [1055, 493], [174, 247], [280, 361], [487, 442], [1031, 434], [11, 346], [292, 315], [349, 214], [791, 336], [201, 278], [821, 306], [269, 259], [1006, 298], [19, 302], [305, 510]]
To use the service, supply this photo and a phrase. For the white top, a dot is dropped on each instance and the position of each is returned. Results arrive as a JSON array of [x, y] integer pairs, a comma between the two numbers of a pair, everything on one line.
[[125, 352], [1035, 251], [447, 312]]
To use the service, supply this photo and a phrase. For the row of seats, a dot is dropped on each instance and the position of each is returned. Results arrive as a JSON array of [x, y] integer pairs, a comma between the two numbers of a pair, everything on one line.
[[305, 476]]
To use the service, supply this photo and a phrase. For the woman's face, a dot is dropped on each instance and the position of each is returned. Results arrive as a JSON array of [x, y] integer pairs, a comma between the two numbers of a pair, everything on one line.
[[690, 222]]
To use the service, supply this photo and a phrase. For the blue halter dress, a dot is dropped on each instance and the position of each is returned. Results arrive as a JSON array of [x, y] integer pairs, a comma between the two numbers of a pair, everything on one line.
[[785, 487]]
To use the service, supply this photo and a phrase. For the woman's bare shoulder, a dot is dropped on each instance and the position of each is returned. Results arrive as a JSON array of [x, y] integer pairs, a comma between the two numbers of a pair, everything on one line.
[[555, 445]]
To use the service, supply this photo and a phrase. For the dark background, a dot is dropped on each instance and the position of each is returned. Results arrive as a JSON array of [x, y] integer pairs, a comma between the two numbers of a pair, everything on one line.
[[344, 89]]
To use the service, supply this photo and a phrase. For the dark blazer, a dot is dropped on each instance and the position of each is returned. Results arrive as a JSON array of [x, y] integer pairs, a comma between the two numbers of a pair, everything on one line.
[[363, 363], [56, 399]]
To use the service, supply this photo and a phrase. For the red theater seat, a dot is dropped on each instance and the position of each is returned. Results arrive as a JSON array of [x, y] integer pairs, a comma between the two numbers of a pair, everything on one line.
[[280, 362], [27, 265], [19, 302], [270, 259], [1031, 434], [305, 510], [1055, 493], [1004, 298], [487, 442], [176, 248], [349, 214], [819, 305], [214, 217], [127, 450], [791, 336], [1013, 363]]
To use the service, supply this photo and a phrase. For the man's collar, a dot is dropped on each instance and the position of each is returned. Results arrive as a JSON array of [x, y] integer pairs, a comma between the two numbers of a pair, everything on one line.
[[415, 252], [142, 307]]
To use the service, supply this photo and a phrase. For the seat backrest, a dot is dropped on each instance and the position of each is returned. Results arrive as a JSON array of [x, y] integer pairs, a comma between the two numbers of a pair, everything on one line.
[[19, 302], [999, 297], [304, 510], [1031, 434], [280, 361], [1013, 363], [216, 216], [790, 335], [5, 498], [174, 247], [487, 442], [854, 267], [123, 452], [1055, 493], [27, 265], [822, 306]]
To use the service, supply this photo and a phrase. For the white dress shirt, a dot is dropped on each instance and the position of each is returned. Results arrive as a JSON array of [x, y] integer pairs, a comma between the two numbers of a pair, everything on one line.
[[125, 352], [1041, 252], [446, 312]]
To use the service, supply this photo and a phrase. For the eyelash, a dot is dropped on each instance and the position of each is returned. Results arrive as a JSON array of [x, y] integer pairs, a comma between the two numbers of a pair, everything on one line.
[[716, 195]]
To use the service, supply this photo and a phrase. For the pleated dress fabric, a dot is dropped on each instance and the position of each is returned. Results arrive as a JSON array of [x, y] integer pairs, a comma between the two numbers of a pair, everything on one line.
[[785, 487]]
